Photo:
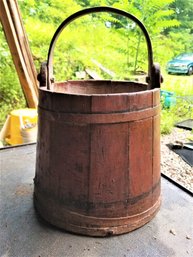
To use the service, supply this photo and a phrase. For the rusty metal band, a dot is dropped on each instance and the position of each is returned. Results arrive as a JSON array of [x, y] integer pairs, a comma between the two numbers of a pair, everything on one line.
[[83, 204], [78, 218], [98, 118]]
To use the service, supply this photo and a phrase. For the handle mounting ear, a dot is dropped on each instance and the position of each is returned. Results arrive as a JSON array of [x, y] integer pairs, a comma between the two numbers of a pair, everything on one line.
[[42, 76]]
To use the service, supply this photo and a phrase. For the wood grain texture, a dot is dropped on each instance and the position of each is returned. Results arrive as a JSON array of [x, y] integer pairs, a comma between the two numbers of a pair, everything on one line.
[[102, 175]]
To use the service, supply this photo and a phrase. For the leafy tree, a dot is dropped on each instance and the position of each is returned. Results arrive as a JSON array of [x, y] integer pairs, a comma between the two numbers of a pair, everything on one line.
[[183, 12], [156, 17], [111, 40], [183, 34]]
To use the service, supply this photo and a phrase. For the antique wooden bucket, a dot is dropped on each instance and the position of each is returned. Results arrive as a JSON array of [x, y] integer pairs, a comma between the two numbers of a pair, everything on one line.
[[98, 150]]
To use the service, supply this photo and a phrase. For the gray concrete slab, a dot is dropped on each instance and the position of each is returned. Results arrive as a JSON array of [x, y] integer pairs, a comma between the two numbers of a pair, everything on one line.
[[23, 234]]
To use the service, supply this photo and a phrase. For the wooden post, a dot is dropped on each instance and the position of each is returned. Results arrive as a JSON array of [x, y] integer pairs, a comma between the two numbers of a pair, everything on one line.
[[19, 47]]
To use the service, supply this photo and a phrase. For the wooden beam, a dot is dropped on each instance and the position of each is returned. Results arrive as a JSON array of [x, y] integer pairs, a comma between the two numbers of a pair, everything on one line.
[[109, 72], [93, 74], [19, 47]]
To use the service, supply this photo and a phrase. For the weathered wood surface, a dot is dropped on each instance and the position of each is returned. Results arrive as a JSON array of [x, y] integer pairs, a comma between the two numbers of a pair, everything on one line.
[[98, 156], [20, 51]]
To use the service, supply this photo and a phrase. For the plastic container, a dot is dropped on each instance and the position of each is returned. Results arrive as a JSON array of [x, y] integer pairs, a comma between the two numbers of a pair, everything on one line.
[[169, 98], [16, 132]]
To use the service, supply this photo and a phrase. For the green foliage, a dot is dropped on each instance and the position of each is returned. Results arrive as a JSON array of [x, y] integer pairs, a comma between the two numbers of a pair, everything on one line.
[[111, 40], [183, 11], [11, 95], [167, 122], [156, 17], [127, 45], [181, 111], [182, 86]]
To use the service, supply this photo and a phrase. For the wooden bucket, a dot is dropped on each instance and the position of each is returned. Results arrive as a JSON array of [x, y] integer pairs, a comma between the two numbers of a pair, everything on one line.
[[98, 151]]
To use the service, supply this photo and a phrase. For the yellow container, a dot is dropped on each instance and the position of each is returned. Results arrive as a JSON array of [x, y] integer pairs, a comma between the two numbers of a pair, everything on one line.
[[17, 121]]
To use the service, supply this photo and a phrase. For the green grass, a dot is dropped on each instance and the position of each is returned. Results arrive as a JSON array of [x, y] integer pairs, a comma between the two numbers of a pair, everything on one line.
[[182, 86]]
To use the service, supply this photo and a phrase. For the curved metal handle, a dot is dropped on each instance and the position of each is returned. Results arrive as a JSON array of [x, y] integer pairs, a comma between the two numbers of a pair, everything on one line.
[[46, 74]]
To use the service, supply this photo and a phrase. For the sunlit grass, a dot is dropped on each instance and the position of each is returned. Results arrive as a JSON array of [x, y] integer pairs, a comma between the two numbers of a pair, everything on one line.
[[182, 86]]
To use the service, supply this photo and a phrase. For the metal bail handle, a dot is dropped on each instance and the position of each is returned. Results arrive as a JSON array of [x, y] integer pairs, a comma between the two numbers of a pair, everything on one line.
[[46, 74]]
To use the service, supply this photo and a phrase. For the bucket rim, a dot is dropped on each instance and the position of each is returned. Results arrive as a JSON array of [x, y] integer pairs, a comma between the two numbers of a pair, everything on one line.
[[71, 82]]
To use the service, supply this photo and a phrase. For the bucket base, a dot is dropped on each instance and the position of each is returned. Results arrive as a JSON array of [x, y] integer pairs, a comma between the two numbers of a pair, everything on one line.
[[92, 226]]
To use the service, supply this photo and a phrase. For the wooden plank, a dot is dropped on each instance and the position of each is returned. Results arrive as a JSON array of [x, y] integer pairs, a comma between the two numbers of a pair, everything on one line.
[[93, 74], [17, 40], [5, 129], [104, 69]]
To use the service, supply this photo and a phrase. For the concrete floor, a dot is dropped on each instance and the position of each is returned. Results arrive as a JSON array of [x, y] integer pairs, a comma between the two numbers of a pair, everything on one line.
[[24, 234]]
